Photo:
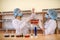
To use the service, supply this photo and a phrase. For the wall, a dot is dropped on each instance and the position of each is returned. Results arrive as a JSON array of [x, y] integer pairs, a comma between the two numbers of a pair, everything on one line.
[[0, 5], [9, 5]]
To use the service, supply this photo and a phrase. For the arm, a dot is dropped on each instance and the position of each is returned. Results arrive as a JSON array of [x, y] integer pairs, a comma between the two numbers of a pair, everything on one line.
[[29, 18], [32, 15], [41, 26]]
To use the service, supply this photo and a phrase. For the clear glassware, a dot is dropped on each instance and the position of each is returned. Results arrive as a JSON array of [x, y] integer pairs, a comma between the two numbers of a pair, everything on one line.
[[6, 33], [12, 34]]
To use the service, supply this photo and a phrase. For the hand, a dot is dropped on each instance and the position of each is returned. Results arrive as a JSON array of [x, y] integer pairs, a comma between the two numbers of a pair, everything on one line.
[[33, 10], [41, 25], [43, 29]]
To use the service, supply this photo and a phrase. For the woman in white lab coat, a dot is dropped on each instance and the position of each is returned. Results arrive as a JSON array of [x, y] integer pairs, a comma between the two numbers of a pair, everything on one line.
[[50, 24], [21, 26]]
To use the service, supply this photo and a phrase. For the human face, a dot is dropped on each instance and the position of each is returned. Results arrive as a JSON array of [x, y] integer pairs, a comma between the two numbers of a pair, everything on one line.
[[47, 16], [18, 17]]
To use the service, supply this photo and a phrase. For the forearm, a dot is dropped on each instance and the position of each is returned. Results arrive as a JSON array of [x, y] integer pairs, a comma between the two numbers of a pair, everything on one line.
[[41, 25]]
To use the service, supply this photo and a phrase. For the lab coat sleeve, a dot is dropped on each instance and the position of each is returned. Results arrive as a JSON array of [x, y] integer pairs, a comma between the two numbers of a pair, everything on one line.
[[31, 17], [26, 21], [15, 24], [51, 28]]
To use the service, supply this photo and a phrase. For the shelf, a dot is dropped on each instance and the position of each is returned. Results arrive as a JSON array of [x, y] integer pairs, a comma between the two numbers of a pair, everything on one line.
[[56, 9], [6, 20], [24, 13], [6, 14], [53, 8]]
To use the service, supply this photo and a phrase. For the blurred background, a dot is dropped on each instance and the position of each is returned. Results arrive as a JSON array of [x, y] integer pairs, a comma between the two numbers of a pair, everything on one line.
[[41, 6]]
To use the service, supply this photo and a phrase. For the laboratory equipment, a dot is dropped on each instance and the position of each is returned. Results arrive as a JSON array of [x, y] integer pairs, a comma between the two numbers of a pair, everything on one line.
[[35, 31], [27, 35], [21, 35], [12, 34], [6, 33], [34, 22]]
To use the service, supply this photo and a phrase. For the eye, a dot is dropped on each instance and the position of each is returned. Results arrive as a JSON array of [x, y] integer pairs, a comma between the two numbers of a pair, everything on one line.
[[47, 14]]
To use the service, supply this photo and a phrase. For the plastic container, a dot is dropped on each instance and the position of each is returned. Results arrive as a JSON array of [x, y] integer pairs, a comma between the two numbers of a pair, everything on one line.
[[6, 35], [34, 21], [19, 35], [27, 35]]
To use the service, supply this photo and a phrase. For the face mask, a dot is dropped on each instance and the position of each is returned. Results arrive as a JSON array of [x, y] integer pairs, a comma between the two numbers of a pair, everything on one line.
[[46, 16], [20, 14]]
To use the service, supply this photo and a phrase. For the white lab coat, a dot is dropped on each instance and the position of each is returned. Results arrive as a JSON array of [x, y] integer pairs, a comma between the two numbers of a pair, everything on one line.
[[49, 26], [22, 26]]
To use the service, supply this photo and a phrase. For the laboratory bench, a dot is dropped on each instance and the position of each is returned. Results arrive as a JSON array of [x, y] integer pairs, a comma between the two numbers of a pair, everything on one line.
[[38, 37], [4, 20], [39, 31], [13, 30]]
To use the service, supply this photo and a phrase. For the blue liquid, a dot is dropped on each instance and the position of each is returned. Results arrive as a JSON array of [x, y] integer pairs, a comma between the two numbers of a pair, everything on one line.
[[35, 31]]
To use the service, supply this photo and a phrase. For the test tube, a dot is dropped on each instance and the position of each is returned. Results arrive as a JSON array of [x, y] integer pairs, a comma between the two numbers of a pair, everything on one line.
[[12, 35], [35, 31], [31, 32], [6, 33]]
